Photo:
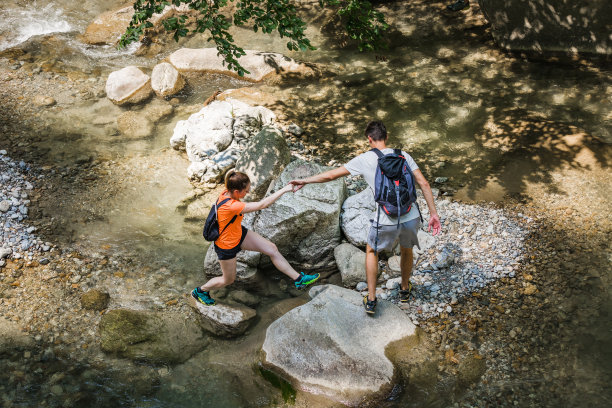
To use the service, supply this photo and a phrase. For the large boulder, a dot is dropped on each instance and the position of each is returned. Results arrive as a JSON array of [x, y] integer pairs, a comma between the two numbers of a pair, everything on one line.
[[304, 225], [263, 159], [261, 65], [351, 263], [166, 80], [357, 211], [550, 25], [128, 85], [12, 338], [214, 136], [224, 320], [319, 349], [151, 336]]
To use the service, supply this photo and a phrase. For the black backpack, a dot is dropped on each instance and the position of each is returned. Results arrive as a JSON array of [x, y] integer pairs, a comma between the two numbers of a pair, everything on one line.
[[211, 226], [394, 186]]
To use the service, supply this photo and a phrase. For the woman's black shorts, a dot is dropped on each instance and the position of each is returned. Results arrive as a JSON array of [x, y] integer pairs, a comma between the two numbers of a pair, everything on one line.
[[225, 254]]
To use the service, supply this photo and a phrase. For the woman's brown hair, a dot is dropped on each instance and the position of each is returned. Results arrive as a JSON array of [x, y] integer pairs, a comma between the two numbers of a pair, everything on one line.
[[235, 180]]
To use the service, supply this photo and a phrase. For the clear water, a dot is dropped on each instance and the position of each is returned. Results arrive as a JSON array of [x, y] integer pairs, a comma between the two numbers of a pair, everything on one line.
[[446, 98]]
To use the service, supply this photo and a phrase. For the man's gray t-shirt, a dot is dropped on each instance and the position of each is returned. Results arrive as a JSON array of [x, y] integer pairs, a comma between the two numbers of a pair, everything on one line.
[[365, 165]]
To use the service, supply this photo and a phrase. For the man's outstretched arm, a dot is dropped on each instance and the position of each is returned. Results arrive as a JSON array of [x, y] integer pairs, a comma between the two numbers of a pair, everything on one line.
[[434, 219], [320, 178]]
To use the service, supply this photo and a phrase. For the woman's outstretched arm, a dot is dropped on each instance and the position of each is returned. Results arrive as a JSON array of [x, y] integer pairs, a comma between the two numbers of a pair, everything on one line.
[[266, 202]]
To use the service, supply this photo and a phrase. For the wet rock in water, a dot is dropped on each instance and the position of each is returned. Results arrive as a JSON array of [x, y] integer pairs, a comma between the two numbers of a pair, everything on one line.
[[267, 66], [317, 347], [224, 320], [295, 130], [214, 137], [263, 159], [166, 80], [42, 100], [244, 297], [351, 263], [357, 211], [95, 300], [470, 369], [134, 125], [305, 224], [12, 337], [128, 85], [151, 336]]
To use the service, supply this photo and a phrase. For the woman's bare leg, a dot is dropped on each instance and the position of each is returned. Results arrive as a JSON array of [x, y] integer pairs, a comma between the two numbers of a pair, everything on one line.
[[255, 242], [228, 268]]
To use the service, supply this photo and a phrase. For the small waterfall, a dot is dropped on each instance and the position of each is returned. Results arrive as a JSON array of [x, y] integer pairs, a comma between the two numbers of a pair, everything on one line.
[[18, 25]]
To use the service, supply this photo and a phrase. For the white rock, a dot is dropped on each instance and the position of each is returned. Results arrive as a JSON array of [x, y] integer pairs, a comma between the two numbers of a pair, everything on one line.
[[166, 80], [128, 85], [357, 211]]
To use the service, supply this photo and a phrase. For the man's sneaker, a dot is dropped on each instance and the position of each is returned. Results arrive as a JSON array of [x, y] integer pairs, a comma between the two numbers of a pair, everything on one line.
[[369, 305], [203, 297], [404, 294], [305, 280], [459, 5]]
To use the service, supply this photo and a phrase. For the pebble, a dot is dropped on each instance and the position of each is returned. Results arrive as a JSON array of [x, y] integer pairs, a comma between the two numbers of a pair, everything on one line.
[[361, 286]]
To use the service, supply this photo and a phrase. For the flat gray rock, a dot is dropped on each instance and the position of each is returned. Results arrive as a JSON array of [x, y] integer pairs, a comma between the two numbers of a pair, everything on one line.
[[357, 211], [224, 320], [351, 263], [331, 346]]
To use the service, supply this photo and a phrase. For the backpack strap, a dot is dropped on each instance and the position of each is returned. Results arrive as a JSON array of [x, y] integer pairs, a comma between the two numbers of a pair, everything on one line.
[[378, 152], [397, 151], [217, 215]]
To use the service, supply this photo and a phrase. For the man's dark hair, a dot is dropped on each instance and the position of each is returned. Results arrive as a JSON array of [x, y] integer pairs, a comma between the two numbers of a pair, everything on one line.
[[376, 130]]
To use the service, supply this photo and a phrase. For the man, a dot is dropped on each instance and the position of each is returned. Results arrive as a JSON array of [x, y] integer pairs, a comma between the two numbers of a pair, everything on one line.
[[388, 233]]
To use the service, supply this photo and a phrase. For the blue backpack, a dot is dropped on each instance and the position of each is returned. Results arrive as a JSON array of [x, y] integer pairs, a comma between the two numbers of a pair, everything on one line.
[[211, 226], [394, 186]]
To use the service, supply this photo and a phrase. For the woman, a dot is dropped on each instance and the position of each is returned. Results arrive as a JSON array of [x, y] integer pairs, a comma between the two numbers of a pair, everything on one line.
[[234, 237]]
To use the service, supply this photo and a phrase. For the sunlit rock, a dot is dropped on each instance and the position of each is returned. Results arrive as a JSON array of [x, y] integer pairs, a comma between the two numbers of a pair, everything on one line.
[[261, 65], [305, 225], [215, 136], [128, 85], [263, 159], [351, 263], [331, 346], [166, 80], [357, 211], [151, 336], [224, 320]]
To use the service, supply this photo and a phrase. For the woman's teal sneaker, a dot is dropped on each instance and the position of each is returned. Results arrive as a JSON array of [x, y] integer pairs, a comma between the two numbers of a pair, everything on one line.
[[305, 280], [203, 297]]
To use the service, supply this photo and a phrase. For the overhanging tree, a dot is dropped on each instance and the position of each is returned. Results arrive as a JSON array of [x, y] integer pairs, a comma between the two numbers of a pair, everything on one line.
[[361, 22]]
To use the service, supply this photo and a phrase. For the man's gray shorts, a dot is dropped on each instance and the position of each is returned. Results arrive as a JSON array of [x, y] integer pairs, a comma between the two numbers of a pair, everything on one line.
[[388, 235]]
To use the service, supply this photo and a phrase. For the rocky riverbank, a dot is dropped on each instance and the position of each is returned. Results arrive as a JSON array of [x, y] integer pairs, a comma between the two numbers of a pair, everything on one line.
[[534, 332]]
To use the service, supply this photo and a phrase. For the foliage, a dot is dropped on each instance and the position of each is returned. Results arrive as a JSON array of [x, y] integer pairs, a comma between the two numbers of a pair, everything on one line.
[[360, 20]]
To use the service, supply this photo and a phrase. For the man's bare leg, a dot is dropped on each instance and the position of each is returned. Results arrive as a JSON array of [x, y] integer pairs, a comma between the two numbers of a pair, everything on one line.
[[406, 266], [371, 265]]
